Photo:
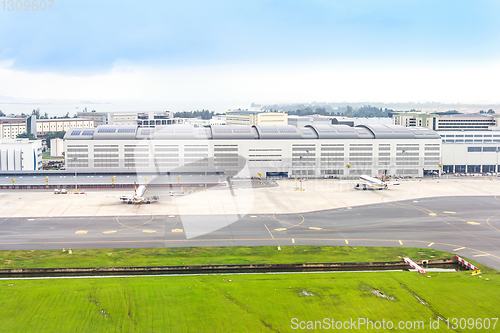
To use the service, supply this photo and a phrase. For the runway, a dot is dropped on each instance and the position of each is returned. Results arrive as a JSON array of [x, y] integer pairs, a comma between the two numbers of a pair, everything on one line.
[[467, 226]]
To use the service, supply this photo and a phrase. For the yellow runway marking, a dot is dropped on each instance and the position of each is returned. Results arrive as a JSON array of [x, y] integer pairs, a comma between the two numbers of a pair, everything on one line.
[[481, 255], [474, 223], [432, 214], [400, 242], [81, 232], [109, 232], [270, 233], [293, 240], [177, 230], [314, 228], [291, 226], [430, 244], [449, 212], [139, 225], [346, 241], [458, 249], [279, 229], [489, 218], [149, 231]]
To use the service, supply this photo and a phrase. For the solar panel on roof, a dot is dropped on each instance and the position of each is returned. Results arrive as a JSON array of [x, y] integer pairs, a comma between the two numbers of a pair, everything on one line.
[[76, 132], [241, 130], [145, 132], [287, 130], [269, 130], [222, 130], [126, 130], [106, 130], [88, 132]]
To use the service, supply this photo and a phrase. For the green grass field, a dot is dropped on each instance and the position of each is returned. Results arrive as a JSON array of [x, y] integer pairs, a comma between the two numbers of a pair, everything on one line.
[[244, 303], [210, 255], [240, 303]]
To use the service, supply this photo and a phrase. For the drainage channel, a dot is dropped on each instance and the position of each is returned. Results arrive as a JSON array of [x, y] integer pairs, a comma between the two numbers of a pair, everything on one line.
[[213, 270]]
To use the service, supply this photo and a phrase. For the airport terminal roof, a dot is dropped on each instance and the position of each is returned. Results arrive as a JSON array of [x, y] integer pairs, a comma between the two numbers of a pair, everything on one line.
[[247, 132]]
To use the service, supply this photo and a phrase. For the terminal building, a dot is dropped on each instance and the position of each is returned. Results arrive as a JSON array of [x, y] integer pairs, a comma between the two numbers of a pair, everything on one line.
[[269, 150]]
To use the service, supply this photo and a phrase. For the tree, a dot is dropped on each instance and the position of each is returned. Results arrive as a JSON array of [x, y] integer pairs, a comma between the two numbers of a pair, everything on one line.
[[490, 111], [36, 113], [481, 111], [49, 136], [2, 114], [30, 136]]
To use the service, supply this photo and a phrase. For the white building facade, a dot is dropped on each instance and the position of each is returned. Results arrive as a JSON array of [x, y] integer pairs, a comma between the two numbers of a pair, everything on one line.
[[245, 117], [315, 151], [20, 154], [11, 127], [43, 126]]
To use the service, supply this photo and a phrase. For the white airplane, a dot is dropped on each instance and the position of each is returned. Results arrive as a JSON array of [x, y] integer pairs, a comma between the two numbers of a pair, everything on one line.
[[139, 196], [367, 182]]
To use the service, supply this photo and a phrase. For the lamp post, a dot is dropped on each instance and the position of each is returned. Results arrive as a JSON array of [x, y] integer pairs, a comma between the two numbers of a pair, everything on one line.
[[301, 168], [404, 155], [497, 151], [75, 159], [307, 165]]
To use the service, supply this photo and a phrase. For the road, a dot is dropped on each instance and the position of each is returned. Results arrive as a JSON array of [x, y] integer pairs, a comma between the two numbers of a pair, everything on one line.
[[467, 226]]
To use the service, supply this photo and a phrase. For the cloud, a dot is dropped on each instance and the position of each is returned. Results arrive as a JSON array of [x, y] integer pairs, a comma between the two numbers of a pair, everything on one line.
[[89, 37], [241, 84]]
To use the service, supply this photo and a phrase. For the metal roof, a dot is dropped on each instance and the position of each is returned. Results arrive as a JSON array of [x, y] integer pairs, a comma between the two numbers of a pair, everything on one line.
[[400, 132], [278, 132], [221, 132], [334, 131], [242, 132]]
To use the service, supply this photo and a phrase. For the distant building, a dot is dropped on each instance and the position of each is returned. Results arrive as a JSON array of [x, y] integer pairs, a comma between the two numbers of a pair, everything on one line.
[[219, 119], [446, 122], [43, 126], [20, 154], [56, 147], [11, 127], [303, 121], [141, 119], [361, 121], [245, 117], [153, 119]]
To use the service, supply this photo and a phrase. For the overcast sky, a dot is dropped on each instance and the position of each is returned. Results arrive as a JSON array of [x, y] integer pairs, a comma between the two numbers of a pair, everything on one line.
[[237, 52]]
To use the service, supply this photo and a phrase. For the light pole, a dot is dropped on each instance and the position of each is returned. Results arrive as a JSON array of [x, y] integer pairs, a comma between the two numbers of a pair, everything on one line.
[[307, 164], [404, 155], [496, 168], [301, 168], [75, 159]]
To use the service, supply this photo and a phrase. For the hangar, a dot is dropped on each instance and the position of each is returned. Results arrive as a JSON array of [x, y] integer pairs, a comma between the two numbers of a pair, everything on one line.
[[286, 150]]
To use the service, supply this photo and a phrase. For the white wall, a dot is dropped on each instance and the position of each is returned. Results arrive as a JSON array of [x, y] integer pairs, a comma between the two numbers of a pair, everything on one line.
[[20, 154], [319, 157]]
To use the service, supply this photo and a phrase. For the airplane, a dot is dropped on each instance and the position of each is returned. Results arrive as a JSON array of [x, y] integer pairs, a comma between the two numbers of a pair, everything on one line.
[[138, 196], [367, 182]]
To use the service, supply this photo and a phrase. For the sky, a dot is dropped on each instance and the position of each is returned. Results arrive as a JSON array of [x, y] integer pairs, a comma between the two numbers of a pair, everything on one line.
[[215, 54]]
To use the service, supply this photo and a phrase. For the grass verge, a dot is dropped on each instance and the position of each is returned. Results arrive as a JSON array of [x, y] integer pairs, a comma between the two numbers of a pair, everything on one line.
[[247, 303], [210, 255]]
